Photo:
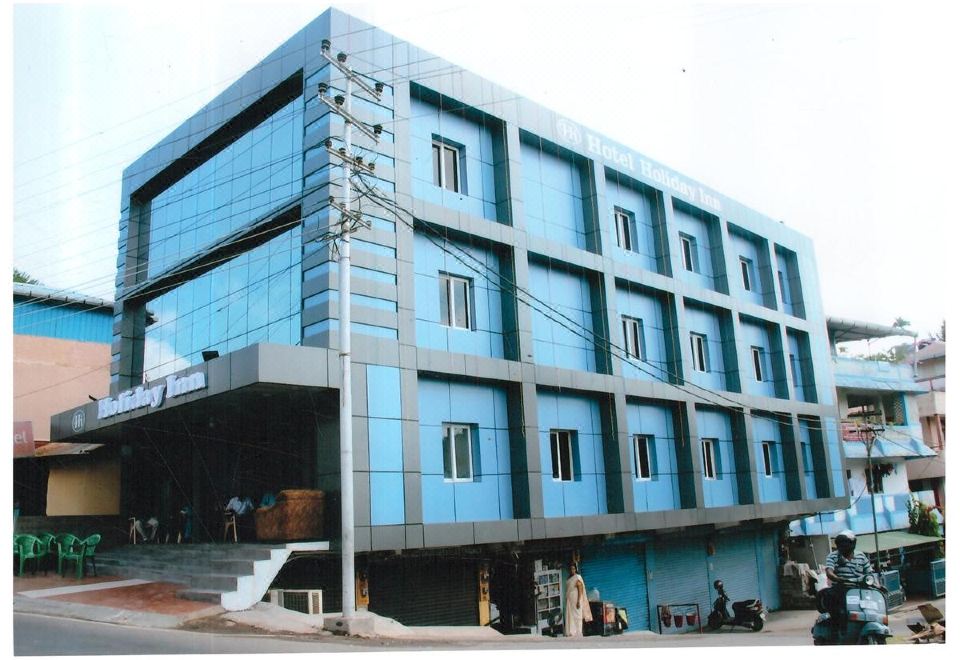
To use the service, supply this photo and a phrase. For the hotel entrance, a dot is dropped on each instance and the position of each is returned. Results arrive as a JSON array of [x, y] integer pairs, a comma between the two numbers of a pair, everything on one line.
[[182, 464]]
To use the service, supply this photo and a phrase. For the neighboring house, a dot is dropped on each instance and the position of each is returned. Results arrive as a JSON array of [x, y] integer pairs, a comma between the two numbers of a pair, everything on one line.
[[560, 348], [878, 404], [61, 353], [930, 360]]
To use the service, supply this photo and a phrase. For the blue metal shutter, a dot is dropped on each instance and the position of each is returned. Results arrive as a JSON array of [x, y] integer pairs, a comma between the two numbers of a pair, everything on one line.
[[768, 556], [735, 562], [620, 574], [678, 574]]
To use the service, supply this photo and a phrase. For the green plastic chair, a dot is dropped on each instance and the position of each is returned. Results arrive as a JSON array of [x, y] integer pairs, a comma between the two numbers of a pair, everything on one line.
[[55, 546], [48, 543], [69, 548], [28, 547], [89, 552]]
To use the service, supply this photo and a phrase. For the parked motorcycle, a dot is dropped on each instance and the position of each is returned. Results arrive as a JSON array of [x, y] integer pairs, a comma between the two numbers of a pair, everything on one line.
[[747, 613], [866, 621]]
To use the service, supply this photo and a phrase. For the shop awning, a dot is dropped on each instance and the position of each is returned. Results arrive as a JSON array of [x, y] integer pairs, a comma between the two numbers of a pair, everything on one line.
[[891, 540], [65, 449]]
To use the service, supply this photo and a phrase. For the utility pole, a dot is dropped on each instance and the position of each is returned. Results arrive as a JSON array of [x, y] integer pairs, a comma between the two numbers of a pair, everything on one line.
[[350, 221], [868, 434]]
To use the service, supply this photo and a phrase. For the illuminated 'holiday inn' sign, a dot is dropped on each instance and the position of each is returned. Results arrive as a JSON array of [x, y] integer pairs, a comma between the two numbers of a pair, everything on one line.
[[150, 397]]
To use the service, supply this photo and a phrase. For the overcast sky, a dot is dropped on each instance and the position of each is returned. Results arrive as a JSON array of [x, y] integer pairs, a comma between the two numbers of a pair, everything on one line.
[[834, 118]]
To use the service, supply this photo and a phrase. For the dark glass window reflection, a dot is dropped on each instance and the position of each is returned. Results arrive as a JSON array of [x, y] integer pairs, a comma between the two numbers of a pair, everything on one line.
[[254, 297]]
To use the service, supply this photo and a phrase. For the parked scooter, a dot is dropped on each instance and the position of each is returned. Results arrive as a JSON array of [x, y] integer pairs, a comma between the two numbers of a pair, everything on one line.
[[866, 621], [747, 613]]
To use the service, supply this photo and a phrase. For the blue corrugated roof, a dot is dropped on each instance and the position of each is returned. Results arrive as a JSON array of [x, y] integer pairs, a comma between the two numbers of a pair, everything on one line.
[[44, 312]]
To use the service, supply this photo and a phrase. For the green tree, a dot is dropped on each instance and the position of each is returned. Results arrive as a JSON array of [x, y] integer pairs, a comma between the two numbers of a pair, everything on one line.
[[896, 354], [21, 277], [922, 520], [901, 323]]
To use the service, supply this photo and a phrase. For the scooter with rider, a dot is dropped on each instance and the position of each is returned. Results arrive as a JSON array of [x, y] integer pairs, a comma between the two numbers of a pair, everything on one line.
[[854, 607]]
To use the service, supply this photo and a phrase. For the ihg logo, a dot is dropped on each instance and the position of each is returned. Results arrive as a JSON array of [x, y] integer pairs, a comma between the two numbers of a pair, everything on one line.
[[569, 132], [78, 421]]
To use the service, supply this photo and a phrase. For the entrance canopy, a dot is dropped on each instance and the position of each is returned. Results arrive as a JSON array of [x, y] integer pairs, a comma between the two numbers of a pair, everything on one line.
[[249, 424], [221, 388]]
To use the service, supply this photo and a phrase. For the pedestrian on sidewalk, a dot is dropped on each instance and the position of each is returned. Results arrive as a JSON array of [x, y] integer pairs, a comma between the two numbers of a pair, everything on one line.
[[577, 607]]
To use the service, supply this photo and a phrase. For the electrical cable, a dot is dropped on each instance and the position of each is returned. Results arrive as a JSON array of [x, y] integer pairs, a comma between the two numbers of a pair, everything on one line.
[[536, 301]]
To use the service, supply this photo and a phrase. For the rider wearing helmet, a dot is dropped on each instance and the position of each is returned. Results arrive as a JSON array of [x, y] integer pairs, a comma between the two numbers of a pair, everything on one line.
[[846, 566]]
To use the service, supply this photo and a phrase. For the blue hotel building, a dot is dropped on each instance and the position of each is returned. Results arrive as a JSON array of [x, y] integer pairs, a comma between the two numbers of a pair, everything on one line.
[[562, 349]]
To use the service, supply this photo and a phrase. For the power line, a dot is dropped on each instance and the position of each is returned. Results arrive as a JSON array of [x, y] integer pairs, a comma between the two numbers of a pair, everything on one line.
[[449, 69], [275, 56], [563, 319]]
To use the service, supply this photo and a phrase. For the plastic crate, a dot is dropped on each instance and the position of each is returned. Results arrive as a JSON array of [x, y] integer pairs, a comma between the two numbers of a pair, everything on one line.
[[938, 578]]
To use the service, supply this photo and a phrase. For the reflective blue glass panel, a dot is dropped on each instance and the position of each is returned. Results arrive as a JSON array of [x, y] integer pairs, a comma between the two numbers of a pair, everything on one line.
[[258, 172], [254, 297]]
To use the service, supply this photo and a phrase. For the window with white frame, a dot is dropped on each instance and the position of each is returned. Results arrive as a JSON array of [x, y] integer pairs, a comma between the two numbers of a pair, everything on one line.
[[457, 452], [626, 230], [746, 269], [688, 251], [561, 454], [698, 349], [446, 165], [768, 452], [708, 449], [455, 304], [633, 341], [643, 454], [756, 353]]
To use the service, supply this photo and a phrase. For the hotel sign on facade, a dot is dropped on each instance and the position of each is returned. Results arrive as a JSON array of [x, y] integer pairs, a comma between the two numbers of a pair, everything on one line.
[[150, 396], [23, 444], [624, 159]]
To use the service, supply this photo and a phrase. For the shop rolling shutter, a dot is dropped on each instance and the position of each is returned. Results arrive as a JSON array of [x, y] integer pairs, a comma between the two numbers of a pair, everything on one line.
[[678, 574], [425, 592], [768, 554], [620, 574], [735, 562]]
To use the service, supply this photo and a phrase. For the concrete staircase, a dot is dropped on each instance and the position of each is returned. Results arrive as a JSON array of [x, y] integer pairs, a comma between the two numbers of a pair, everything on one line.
[[233, 575]]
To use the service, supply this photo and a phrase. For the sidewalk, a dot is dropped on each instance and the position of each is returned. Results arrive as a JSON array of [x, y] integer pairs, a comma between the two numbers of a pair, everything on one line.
[[109, 599], [156, 605]]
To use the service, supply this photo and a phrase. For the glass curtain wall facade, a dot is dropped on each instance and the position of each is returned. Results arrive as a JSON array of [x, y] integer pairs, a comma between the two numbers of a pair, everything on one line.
[[555, 339]]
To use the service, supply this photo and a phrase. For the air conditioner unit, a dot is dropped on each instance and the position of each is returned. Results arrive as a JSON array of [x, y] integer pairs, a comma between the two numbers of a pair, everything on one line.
[[307, 601]]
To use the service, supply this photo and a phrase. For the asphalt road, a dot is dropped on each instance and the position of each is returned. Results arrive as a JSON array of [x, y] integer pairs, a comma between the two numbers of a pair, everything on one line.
[[44, 635]]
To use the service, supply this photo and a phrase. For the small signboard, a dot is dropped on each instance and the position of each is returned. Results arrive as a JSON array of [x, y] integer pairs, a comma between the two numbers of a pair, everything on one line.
[[23, 444]]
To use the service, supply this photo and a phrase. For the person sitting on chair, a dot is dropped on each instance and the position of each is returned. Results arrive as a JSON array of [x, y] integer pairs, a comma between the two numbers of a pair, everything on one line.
[[240, 506], [150, 534]]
